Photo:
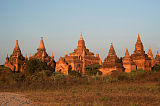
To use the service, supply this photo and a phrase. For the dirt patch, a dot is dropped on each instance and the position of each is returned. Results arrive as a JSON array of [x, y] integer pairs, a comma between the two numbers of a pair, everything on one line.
[[13, 99]]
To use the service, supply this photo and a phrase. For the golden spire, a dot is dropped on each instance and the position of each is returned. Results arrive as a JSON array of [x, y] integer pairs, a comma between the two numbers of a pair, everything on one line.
[[25, 56], [157, 53], [100, 61], [127, 53], [150, 54], [81, 37], [41, 46], [138, 39], [16, 46], [97, 55], [52, 55], [111, 50]]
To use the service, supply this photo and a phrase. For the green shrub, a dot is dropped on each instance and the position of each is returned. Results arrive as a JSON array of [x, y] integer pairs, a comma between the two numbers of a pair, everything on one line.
[[34, 66], [74, 73], [93, 70]]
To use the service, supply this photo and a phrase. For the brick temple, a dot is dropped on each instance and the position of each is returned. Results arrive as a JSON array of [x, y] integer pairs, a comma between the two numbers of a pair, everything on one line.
[[111, 62], [139, 57], [17, 62], [77, 60], [82, 57], [42, 55]]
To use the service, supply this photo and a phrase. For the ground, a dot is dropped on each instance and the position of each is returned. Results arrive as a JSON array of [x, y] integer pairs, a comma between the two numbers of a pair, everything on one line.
[[100, 94], [13, 99]]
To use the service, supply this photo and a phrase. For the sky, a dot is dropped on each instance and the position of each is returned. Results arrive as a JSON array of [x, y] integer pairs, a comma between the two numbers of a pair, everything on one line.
[[60, 22]]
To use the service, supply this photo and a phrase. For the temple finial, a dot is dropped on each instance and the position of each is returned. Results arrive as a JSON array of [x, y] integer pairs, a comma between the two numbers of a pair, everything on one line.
[[127, 53], [81, 37], [41, 46], [100, 61], [52, 55], [138, 39], [157, 53], [97, 55], [26, 56], [16, 46]]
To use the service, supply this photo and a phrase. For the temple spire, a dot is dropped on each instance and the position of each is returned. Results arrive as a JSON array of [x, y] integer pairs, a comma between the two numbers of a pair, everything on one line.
[[41, 46], [150, 54], [100, 61], [138, 39], [81, 37], [127, 53], [139, 46], [157, 53], [97, 55], [16, 46], [112, 51], [52, 56], [26, 57]]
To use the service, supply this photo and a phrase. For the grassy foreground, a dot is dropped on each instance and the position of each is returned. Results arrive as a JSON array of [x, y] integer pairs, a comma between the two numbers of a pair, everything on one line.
[[102, 94], [138, 88]]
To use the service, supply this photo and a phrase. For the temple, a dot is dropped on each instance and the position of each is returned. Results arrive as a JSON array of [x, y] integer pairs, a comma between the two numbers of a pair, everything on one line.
[[139, 57], [157, 58], [150, 55], [128, 63], [77, 60], [16, 61], [111, 62], [82, 57], [43, 56]]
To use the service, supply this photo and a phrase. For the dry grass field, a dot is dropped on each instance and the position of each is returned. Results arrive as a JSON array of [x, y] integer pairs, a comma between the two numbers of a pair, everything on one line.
[[138, 88], [102, 94]]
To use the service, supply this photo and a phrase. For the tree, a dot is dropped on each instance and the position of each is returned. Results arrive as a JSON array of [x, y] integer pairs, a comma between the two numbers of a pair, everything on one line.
[[35, 65]]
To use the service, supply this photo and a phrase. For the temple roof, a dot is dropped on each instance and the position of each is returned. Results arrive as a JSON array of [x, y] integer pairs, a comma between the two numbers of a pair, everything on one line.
[[127, 53], [157, 53], [112, 51], [41, 46], [150, 54], [16, 46], [97, 55], [138, 39], [81, 37]]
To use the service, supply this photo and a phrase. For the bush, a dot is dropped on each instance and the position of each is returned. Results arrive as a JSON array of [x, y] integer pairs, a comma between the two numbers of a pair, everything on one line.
[[156, 68], [74, 73], [34, 66], [93, 70]]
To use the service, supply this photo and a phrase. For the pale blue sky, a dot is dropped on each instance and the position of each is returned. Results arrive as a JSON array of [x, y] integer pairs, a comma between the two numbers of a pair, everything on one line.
[[61, 21]]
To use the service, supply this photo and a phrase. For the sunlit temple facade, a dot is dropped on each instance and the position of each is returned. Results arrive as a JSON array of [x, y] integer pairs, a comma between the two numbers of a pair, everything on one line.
[[82, 57]]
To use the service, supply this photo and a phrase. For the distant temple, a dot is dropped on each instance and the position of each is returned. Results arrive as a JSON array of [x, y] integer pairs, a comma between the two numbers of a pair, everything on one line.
[[111, 62], [128, 63], [82, 57], [43, 56], [16, 62], [77, 60], [157, 59], [139, 57]]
